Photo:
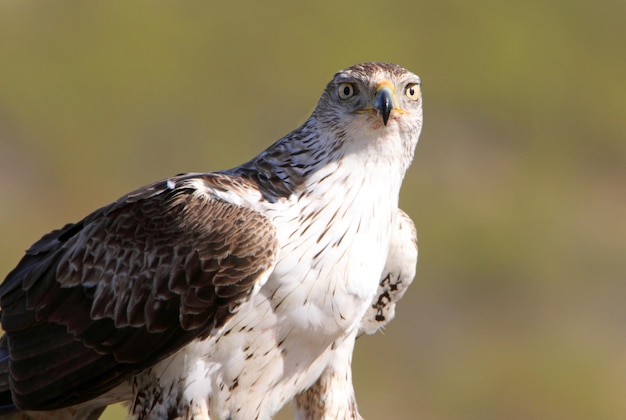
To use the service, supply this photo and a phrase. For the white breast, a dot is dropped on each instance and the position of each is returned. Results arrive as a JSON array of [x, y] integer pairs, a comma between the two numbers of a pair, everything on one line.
[[335, 237]]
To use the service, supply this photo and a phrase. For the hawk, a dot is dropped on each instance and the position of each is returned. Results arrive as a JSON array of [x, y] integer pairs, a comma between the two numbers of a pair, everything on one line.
[[225, 295]]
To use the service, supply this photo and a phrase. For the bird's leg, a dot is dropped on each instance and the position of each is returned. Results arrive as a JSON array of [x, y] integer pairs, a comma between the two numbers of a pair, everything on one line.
[[332, 395]]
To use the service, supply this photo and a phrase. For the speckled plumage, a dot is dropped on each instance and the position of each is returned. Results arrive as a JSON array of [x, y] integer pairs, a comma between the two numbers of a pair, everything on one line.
[[226, 295]]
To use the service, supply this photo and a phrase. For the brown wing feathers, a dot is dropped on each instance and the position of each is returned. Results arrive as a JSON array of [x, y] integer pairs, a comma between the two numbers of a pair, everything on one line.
[[133, 282]]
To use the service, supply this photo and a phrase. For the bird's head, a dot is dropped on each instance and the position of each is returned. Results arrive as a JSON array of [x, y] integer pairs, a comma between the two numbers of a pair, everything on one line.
[[372, 100], [370, 113]]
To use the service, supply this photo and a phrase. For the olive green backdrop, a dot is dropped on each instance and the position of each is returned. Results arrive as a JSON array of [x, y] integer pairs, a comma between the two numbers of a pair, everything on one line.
[[518, 188]]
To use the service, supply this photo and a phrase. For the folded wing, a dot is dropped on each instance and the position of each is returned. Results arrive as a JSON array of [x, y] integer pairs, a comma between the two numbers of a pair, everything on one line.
[[397, 275], [96, 301]]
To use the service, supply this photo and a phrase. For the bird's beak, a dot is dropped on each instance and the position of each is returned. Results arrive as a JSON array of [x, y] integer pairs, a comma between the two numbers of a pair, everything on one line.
[[383, 102]]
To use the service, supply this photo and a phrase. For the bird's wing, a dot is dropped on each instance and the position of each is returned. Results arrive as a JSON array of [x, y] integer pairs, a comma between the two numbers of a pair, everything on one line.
[[98, 300], [397, 275]]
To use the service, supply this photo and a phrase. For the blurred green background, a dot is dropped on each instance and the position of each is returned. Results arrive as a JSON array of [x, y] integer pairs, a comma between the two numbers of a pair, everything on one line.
[[518, 188]]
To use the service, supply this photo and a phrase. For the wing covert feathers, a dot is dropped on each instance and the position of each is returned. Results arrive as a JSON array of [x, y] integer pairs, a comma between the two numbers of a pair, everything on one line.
[[133, 282]]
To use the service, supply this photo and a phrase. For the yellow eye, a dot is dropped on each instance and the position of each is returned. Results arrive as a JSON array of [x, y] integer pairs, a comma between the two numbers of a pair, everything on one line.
[[346, 91], [413, 91]]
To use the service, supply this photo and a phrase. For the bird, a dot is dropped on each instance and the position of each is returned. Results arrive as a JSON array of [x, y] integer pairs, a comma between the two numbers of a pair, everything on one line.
[[226, 294]]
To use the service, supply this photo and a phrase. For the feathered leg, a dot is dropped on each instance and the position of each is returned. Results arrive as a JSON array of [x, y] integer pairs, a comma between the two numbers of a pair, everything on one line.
[[332, 395]]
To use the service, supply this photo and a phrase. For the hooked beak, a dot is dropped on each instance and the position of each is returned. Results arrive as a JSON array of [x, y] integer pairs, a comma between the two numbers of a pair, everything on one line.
[[383, 102]]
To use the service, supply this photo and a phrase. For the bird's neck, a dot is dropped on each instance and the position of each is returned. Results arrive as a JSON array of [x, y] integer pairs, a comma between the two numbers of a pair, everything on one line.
[[301, 160]]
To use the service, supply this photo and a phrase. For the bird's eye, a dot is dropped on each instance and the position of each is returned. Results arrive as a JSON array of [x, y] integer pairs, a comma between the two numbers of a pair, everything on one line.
[[412, 91], [346, 91]]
